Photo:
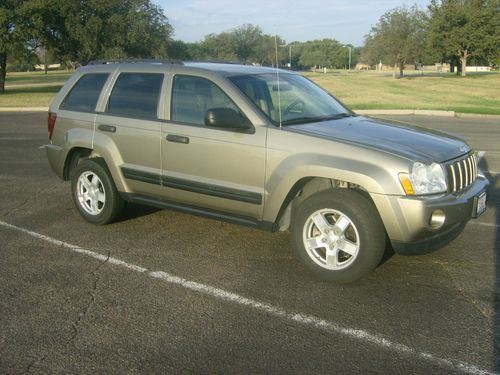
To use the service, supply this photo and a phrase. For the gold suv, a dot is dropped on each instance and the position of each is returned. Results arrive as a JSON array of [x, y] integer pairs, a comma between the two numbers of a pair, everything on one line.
[[264, 148]]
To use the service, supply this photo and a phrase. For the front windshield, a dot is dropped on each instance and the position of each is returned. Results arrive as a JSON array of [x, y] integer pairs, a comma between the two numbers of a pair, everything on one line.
[[300, 100]]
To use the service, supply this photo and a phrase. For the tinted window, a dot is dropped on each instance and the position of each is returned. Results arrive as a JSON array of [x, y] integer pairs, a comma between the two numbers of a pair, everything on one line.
[[193, 96], [136, 95], [85, 93]]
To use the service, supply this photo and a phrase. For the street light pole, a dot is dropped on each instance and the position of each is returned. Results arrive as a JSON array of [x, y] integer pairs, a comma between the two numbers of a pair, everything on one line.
[[349, 57], [350, 52]]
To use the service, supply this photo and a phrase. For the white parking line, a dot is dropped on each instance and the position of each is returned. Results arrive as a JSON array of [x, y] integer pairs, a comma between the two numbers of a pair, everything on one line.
[[484, 224], [308, 320]]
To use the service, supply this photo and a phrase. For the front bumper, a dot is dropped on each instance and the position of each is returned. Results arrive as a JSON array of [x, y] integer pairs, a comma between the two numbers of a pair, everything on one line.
[[408, 219]]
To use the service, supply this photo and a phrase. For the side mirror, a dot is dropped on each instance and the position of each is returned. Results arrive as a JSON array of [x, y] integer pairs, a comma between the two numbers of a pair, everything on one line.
[[226, 118]]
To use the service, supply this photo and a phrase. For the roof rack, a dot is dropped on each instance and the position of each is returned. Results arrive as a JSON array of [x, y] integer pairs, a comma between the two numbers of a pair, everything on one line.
[[133, 61], [232, 62]]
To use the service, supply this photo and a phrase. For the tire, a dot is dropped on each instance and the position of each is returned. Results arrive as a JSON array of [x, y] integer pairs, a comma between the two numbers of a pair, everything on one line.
[[338, 235], [94, 192]]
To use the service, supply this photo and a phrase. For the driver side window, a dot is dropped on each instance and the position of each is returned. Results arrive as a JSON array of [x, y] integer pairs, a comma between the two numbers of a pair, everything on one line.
[[193, 96]]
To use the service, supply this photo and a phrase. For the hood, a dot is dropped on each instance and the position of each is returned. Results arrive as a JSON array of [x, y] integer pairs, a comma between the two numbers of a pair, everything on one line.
[[412, 142]]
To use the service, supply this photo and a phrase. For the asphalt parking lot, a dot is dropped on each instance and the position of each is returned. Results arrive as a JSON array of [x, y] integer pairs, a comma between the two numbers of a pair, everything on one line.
[[162, 291]]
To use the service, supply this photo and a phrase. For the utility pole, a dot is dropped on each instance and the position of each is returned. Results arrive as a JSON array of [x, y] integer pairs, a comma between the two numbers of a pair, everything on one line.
[[350, 57], [290, 56], [350, 52]]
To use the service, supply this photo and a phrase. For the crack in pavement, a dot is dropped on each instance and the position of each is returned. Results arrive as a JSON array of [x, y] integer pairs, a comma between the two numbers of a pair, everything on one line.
[[33, 198], [16, 207], [91, 301], [91, 295], [466, 296]]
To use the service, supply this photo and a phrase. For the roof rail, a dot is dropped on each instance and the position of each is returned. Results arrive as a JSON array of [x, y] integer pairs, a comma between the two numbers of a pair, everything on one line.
[[133, 61], [232, 62]]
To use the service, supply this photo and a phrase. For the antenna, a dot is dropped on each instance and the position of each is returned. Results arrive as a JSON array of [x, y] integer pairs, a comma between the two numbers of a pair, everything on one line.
[[278, 76]]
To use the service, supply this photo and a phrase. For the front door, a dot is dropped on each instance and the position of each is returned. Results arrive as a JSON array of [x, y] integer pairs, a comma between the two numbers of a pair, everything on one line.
[[204, 166]]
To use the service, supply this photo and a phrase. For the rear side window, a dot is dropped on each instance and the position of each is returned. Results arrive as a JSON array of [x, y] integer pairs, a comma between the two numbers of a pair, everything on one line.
[[85, 93], [136, 95]]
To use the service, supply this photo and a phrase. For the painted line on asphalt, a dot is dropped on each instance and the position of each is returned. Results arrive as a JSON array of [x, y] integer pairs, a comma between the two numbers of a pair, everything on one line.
[[304, 319], [485, 224]]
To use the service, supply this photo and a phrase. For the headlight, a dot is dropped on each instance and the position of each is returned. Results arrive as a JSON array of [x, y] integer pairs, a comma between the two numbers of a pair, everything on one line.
[[424, 179]]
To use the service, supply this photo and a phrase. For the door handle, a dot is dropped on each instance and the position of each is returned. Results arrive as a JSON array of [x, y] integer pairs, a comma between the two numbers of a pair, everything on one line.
[[177, 139], [107, 128]]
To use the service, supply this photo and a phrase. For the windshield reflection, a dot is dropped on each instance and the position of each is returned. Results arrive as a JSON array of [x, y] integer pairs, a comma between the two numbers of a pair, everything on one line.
[[300, 100]]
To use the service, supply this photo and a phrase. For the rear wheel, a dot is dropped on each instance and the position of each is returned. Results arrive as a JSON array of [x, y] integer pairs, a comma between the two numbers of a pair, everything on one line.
[[94, 192], [338, 234]]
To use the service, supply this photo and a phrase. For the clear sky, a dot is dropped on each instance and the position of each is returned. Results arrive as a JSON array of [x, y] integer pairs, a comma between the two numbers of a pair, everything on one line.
[[348, 21]]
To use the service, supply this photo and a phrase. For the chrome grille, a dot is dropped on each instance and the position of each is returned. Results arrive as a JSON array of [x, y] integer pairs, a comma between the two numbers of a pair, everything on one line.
[[462, 173]]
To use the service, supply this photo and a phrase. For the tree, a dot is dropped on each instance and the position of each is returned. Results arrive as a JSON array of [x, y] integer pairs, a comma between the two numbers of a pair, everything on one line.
[[245, 43], [195, 51], [264, 52], [465, 29], [246, 39], [398, 37], [11, 40], [325, 52], [80, 31], [178, 50], [356, 55], [218, 47]]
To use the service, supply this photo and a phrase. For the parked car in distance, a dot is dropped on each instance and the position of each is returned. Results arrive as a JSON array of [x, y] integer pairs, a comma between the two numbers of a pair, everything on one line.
[[264, 148]]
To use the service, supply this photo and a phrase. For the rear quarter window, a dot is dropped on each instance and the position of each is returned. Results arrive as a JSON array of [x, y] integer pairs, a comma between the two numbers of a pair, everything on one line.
[[85, 93]]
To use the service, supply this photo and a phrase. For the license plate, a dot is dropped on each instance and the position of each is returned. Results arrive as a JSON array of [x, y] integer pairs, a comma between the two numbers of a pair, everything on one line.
[[481, 204]]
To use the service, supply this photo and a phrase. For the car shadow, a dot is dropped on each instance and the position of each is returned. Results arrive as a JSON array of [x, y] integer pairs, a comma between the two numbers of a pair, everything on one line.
[[494, 204], [134, 211]]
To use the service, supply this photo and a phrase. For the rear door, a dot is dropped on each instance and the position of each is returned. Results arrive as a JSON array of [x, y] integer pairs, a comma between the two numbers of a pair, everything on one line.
[[129, 127]]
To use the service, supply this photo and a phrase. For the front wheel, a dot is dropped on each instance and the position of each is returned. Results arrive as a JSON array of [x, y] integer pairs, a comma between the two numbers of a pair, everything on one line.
[[338, 235], [94, 192]]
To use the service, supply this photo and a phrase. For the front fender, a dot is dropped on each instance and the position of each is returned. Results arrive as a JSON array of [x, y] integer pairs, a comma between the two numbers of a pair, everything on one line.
[[372, 177]]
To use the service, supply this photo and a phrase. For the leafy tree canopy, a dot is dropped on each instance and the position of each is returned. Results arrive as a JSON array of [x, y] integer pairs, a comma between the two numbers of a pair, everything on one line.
[[398, 38], [12, 42], [461, 29], [80, 31]]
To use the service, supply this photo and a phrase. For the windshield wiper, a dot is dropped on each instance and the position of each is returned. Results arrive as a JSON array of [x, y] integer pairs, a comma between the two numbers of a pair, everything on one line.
[[301, 120], [305, 120], [338, 116]]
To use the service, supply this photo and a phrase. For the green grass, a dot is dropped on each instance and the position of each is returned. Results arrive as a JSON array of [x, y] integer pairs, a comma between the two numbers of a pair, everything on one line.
[[34, 96], [33, 89], [476, 93], [53, 77]]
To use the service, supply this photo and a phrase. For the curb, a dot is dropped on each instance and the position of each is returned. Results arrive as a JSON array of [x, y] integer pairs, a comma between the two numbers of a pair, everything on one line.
[[475, 115], [423, 112], [24, 109]]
